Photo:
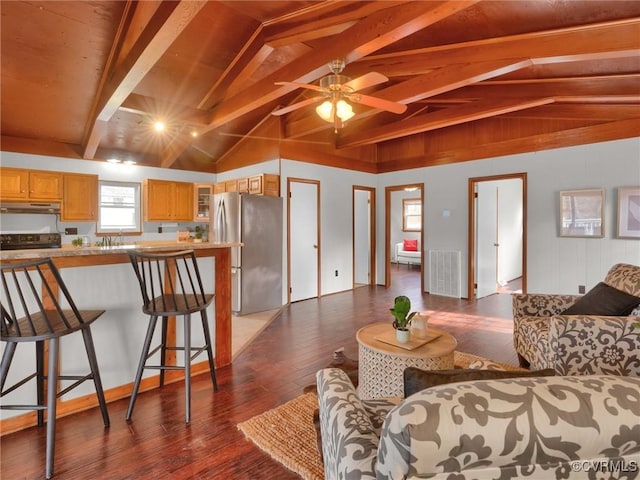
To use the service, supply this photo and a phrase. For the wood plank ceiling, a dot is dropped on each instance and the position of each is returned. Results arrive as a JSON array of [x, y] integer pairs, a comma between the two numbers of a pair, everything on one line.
[[480, 79]]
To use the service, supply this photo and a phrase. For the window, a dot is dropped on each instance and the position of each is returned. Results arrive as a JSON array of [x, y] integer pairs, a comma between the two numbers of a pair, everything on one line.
[[411, 215], [119, 207]]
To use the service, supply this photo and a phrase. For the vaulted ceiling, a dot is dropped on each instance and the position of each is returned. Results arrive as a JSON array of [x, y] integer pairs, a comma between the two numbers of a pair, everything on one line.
[[480, 79]]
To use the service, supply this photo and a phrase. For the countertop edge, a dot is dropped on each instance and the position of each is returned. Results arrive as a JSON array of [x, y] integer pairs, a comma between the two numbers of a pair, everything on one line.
[[70, 251]]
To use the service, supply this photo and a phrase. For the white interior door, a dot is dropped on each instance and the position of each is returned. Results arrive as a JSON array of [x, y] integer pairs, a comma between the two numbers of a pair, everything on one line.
[[361, 237], [304, 240], [486, 239]]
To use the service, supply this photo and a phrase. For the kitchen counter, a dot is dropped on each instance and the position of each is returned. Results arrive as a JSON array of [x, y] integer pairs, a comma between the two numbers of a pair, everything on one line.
[[102, 278], [71, 251]]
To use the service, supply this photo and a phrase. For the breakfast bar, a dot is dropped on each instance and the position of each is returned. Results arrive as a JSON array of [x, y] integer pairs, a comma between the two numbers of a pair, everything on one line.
[[102, 278]]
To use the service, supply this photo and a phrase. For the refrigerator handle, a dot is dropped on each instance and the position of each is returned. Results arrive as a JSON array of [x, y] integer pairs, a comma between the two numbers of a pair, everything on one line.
[[223, 220], [219, 223]]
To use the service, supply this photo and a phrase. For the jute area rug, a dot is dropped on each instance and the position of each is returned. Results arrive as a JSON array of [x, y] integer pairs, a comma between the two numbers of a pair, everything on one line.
[[287, 434]]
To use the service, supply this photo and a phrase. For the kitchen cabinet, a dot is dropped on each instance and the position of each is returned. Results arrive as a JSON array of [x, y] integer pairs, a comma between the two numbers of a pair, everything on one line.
[[166, 200], [231, 186], [243, 185], [79, 197], [22, 184], [265, 184], [201, 202], [226, 186]]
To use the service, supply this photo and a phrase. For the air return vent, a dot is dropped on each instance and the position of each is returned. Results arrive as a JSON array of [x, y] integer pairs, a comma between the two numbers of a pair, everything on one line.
[[444, 273]]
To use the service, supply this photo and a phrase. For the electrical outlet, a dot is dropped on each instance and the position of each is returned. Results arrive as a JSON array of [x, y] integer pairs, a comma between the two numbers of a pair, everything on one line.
[[71, 231], [336, 273], [581, 288]]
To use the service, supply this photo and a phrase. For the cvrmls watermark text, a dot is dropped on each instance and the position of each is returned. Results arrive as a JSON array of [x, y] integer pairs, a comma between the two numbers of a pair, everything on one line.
[[604, 466]]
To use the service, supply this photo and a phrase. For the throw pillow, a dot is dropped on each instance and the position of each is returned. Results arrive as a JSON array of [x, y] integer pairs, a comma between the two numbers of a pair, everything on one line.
[[486, 365], [416, 379], [604, 300], [410, 245]]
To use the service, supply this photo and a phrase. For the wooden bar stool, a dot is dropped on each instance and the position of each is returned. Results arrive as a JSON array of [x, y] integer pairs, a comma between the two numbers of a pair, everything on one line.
[[37, 307], [171, 286]]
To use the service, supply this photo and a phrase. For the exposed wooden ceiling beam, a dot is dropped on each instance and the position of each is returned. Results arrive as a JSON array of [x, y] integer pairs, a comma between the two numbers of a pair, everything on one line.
[[247, 59], [166, 25], [320, 20], [143, 105], [601, 86], [94, 131], [606, 40], [440, 119], [370, 34], [557, 45], [578, 111]]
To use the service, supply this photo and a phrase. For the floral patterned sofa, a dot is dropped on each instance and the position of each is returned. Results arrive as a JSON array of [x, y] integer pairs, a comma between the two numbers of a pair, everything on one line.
[[581, 344], [518, 428]]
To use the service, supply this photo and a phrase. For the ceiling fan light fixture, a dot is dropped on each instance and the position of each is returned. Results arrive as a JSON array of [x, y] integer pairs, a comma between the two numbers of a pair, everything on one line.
[[325, 111], [343, 110]]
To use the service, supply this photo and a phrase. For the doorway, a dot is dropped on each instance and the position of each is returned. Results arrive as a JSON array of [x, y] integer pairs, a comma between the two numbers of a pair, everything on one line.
[[303, 233], [497, 233], [394, 216], [364, 239]]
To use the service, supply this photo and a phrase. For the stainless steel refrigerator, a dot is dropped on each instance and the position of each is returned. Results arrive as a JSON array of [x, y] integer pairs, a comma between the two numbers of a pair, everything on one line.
[[256, 267]]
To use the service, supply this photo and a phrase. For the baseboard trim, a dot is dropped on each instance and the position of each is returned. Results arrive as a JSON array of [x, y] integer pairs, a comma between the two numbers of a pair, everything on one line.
[[86, 402]]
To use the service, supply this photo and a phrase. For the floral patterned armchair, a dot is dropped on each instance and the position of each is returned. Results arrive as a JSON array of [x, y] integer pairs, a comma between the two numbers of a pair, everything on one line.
[[578, 344], [484, 429]]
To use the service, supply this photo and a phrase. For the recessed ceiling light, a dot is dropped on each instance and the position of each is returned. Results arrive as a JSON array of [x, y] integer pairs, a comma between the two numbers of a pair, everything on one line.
[[113, 160], [194, 134], [159, 126], [129, 162]]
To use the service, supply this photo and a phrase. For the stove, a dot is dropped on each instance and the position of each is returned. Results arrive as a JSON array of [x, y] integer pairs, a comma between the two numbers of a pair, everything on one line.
[[24, 241]]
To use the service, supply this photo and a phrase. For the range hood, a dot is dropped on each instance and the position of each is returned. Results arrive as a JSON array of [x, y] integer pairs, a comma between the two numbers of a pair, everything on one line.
[[29, 207]]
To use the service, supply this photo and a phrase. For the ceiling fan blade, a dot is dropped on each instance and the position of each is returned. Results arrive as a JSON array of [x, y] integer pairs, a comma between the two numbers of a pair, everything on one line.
[[303, 85], [367, 80], [375, 102], [295, 106]]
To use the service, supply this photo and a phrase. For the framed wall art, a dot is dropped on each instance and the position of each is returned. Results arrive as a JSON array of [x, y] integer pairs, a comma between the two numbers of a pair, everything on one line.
[[629, 212], [582, 213]]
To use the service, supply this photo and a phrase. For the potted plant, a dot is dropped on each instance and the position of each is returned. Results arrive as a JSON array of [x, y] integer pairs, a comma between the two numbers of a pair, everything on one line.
[[199, 234], [400, 312]]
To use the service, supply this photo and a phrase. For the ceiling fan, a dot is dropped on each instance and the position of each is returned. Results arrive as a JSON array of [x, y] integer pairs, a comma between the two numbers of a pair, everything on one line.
[[336, 90]]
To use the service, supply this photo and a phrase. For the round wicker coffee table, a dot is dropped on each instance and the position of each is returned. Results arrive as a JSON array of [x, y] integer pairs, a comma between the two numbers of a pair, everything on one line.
[[381, 364]]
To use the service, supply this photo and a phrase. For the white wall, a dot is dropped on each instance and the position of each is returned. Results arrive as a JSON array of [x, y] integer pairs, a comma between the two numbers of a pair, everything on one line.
[[335, 218], [554, 264]]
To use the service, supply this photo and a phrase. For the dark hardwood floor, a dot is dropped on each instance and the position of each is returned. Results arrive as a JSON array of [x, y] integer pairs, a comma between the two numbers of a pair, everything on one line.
[[275, 368]]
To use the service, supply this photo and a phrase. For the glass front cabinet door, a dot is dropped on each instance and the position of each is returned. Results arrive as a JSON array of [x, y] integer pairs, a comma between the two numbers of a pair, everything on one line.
[[202, 192]]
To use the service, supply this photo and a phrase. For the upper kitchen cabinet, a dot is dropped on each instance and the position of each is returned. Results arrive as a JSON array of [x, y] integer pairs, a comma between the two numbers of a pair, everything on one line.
[[21, 184], [80, 198], [201, 202], [231, 186], [265, 184], [166, 200], [243, 185]]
